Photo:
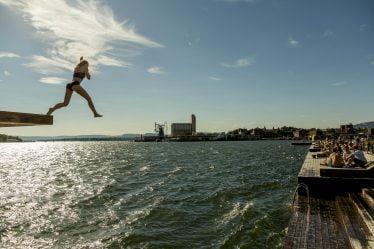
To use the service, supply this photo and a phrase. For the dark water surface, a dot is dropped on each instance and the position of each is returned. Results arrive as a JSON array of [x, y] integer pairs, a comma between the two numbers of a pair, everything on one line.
[[146, 195]]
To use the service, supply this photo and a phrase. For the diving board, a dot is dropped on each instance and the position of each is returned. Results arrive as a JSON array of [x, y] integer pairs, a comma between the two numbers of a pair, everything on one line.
[[13, 119]]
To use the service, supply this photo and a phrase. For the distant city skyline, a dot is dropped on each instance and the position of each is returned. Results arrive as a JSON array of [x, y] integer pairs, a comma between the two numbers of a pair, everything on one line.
[[235, 64]]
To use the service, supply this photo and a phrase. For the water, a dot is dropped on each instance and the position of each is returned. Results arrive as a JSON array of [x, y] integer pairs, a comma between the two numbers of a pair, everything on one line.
[[146, 195]]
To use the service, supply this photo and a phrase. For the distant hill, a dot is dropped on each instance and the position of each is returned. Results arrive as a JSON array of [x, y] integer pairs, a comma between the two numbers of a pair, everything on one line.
[[80, 137], [50, 138], [131, 135], [5, 138], [365, 125]]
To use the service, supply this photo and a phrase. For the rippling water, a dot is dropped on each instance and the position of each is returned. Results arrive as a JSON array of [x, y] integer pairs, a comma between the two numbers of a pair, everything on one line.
[[146, 195]]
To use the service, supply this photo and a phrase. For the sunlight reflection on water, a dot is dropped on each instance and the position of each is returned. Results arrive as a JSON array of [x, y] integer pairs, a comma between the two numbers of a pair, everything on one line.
[[40, 185]]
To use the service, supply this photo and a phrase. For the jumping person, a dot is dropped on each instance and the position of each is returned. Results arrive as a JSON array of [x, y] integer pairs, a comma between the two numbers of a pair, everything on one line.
[[80, 71]]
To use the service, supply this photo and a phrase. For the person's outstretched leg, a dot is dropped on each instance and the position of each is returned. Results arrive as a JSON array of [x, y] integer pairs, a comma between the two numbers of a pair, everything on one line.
[[67, 98], [85, 95]]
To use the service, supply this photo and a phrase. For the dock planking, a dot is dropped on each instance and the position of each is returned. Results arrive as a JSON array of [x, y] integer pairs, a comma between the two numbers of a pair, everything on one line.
[[315, 226], [340, 213], [341, 221], [13, 119]]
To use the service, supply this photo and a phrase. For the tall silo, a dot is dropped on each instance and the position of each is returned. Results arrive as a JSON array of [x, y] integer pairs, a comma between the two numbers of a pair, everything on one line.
[[193, 122]]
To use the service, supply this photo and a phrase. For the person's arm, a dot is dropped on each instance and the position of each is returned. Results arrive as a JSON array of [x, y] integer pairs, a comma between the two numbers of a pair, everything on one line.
[[88, 75], [351, 156]]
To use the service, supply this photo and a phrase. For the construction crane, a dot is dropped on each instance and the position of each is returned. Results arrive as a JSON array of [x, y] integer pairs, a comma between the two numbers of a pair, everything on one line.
[[161, 129]]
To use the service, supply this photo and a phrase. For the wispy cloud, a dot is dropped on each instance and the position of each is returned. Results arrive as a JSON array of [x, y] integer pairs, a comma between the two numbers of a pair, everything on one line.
[[7, 73], [243, 62], [194, 41], [328, 33], [53, 80], [215, 78], [363, 26], [293, 43], [372, 63], [340, 83], [72, 28], [46, 65], [4, 54], [155, 70]]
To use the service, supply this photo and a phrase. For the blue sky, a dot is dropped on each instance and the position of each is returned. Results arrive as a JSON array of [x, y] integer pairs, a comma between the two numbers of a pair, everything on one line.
[[233, 63]]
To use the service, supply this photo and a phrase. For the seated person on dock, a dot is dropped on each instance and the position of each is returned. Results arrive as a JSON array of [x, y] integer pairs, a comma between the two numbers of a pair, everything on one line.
[[326, 149], [346, 154], [335, 159], [357, 158]]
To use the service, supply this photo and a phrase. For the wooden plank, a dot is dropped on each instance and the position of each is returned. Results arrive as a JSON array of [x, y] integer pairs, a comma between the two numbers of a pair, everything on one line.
[[348, 172], [369, 157], [301, 143], [316, 212], [311, 165], [314, 149], [13, 119], [356, 230], [296, 234], [368, 195], [335, 233], [363, 210], [315, 226]]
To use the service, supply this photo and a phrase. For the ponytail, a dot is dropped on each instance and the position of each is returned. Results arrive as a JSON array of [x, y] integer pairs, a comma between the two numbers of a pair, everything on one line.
[[82, 62]]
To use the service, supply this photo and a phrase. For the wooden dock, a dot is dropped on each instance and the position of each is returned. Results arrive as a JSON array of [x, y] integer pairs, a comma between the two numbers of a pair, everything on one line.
[[342, 221], [13, 119], [339, 212], [323, 180]]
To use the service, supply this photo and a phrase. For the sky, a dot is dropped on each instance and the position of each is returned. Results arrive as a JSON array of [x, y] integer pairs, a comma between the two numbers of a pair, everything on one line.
[[233, 63]]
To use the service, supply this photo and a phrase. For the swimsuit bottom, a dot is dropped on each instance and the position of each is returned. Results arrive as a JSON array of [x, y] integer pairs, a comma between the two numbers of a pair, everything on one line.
[[70, 85]]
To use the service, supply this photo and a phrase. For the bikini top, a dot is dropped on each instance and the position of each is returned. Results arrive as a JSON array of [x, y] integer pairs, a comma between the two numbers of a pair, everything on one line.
[[79, 75]]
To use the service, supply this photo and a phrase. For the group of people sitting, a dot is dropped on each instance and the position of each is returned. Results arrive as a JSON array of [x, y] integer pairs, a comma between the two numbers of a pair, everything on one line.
[[343, 154]]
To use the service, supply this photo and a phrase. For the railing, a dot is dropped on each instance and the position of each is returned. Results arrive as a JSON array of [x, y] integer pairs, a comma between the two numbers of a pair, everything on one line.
[[296, 193]]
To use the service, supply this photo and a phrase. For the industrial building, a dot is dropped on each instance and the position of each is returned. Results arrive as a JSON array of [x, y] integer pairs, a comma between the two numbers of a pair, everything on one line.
[[184, 129]]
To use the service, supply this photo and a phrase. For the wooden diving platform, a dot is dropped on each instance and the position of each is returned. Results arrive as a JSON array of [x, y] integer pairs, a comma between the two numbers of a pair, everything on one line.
[[339, 211], [13, 119]]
